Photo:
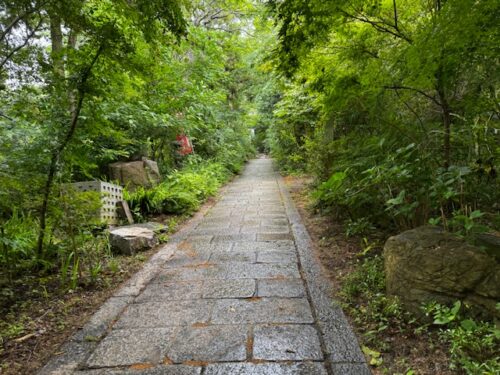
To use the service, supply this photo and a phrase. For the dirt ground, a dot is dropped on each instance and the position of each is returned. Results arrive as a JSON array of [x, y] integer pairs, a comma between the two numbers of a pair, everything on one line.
[[405, 350]]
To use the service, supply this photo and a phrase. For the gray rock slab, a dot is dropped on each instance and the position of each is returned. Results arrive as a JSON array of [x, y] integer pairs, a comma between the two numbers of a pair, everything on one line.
[[286, 343], [201, 248], [239, 288], [165, 314], [156, 370], [266, 222], [155, 227], [102, 320], [262, 310], [218, 231], [186, 260], [274, 236], [350, 369], [303, 368], [276, 256], [68, 359], [132, 239], [249, 223], [262, 215], [266, 229], [234, 237], [290, 288], [211, 224], [265, 246], [171, 291], [253, 271], [197, 239], [223, 343], [233, 256], [132, 346]]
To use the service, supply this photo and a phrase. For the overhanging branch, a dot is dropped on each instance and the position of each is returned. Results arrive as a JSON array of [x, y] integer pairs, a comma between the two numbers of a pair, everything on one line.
[[421, 92]]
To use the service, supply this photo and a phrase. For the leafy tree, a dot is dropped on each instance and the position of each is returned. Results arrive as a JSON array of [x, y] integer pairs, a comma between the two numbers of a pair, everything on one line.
[[386, 76]]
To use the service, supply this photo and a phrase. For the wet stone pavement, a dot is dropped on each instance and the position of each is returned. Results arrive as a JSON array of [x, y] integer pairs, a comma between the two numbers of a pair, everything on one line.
[[237, 292]]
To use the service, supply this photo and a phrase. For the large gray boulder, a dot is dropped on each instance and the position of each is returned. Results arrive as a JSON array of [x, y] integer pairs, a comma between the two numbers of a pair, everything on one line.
[[131, 239], [135, 173], [427, 263]]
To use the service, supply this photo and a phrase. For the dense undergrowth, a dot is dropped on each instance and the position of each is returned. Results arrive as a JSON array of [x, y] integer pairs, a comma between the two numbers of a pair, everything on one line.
[[183, 191], [473, 345]]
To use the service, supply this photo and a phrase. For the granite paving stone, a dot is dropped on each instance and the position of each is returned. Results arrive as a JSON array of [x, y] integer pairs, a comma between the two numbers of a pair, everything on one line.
[[132, 346], [303, 368], [252, 270], [238, 288], [291, 288], [262, 310], [274, 236], [154, 370], [165, 314], [274, 222], [171, 291], [265, 246], [233, 256], [286, 343], [222, 343], [233, 237], [276, 256]]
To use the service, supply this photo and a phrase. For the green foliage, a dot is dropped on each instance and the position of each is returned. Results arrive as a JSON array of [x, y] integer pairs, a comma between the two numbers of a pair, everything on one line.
[[367, 279], [363, 293], [17, 243], [473, 345], [356, 227], [182, 192], [391, 95]]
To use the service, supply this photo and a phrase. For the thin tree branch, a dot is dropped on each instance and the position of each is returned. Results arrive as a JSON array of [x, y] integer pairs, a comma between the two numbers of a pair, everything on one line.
[[20, 17], [432, 98], [19, 47], [395, 15], [56, 154], [382, 25], [7, 117], [412, 111]]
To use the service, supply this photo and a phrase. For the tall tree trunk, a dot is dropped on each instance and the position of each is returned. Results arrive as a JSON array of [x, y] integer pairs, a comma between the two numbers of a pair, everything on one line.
[[58, 151], [446, 116], [56, 39], [446, 134]]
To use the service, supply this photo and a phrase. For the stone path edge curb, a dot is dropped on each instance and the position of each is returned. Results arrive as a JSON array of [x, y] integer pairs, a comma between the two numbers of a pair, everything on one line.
[[340, 344], [75, 351]]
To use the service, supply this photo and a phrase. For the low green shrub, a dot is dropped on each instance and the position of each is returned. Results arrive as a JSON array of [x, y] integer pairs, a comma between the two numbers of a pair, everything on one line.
[[398, 187], [474, 346], [182, 192], [18, 236]]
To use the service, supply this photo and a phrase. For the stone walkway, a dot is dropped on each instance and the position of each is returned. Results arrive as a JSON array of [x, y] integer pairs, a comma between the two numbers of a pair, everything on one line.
[[237, 292]]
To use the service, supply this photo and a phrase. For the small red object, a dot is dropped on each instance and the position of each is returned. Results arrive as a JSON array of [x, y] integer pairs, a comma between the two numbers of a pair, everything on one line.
[[185, 146]]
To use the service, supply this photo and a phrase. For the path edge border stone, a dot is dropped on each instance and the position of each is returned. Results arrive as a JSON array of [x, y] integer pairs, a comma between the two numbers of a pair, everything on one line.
[[343, 354], [81, 344]]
